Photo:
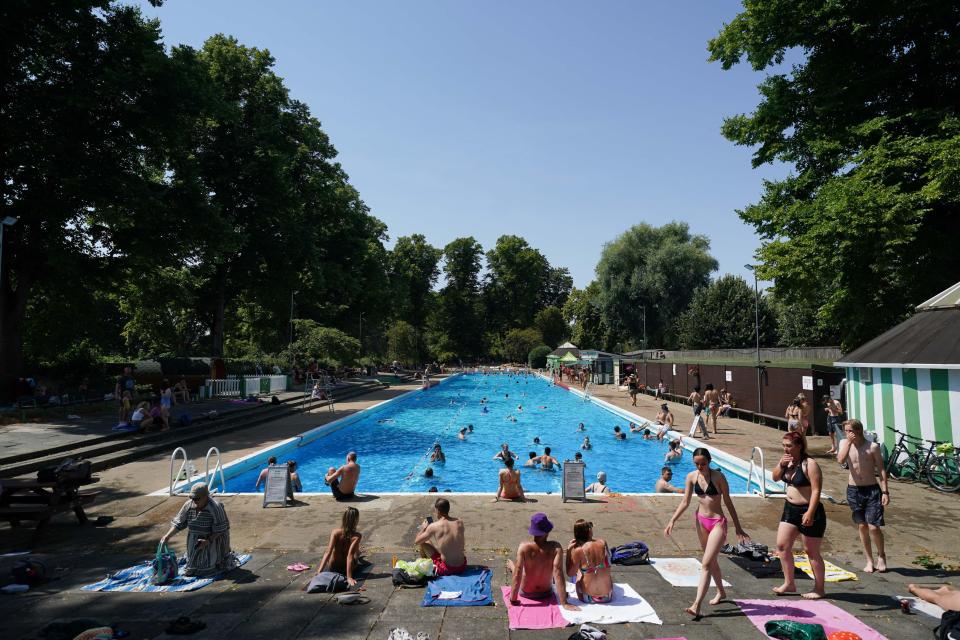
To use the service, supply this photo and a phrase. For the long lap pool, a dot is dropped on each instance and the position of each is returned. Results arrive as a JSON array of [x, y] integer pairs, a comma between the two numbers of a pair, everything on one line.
[[394, 439]]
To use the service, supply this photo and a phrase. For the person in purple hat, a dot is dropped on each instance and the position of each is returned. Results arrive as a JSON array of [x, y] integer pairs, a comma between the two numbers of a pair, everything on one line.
[[539, 566]]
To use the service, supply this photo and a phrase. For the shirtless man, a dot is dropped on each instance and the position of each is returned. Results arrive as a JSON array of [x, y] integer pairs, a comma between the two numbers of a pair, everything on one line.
[[533, 461], [443, 541], [538, 567], [834, 422], [711, 400], [343, 481], [665, 420], [865, 497], [505, 453], [262, 478], [696, 401], [663, 484], [510, 487], [547, 461]]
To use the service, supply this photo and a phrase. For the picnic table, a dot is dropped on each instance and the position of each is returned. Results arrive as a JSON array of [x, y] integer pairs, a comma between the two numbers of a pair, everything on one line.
[[33, 500]]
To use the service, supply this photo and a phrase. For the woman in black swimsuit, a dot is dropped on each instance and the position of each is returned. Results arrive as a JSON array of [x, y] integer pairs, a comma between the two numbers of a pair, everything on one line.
[[803, 513]]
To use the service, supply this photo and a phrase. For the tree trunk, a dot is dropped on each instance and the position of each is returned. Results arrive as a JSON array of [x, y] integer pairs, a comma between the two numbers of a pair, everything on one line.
[[219, 313], [13, 307]]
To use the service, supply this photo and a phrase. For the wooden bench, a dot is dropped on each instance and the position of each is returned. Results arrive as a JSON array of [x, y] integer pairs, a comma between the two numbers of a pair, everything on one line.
[[766, 418], [31, 500]]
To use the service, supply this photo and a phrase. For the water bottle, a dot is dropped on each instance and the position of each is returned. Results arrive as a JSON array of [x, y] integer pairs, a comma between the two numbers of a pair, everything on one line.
[[15, 588]]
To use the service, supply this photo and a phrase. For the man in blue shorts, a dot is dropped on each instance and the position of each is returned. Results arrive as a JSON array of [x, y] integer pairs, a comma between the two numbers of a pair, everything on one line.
[[865, 496]]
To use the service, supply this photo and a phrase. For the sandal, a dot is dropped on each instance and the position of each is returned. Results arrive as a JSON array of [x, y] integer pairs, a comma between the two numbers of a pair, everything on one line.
[[184, 626], [352, 598]]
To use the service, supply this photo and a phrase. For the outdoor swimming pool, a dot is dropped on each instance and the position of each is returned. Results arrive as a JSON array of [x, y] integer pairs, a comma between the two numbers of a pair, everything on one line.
[[393, 441]]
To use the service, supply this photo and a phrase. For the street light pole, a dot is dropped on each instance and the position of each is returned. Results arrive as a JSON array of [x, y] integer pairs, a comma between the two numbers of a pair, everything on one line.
[[361, 334], [644, 307], [756, 329]]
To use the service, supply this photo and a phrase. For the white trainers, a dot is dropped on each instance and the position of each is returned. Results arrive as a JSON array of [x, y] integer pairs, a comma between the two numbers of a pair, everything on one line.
[[399, 633]]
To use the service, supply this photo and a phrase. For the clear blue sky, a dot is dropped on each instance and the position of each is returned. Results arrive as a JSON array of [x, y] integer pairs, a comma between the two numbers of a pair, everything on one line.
[[562, 122]]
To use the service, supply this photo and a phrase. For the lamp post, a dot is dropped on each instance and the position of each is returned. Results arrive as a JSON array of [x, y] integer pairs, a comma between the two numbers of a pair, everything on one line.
[[361, 334], [644, 307], [756, 330], [9, 221]]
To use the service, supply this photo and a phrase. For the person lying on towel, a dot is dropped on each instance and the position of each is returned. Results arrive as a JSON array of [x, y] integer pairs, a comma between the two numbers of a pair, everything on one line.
[[539, 566], [442, 540]]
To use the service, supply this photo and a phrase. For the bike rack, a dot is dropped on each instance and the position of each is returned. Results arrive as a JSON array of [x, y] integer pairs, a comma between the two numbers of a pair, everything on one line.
[[183, 465], [762, 483], [208, 478]]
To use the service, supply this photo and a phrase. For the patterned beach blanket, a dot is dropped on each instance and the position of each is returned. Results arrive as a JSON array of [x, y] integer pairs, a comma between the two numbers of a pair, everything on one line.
[[137, 578]]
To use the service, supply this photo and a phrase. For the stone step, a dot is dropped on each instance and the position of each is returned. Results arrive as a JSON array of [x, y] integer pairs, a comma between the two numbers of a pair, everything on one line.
[[114, 452]]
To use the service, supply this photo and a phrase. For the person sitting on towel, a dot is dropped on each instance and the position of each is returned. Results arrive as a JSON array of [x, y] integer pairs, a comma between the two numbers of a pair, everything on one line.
[[443, 541], [343, 550], [589, 560], [208, 533], [538, 567], [343, 481]]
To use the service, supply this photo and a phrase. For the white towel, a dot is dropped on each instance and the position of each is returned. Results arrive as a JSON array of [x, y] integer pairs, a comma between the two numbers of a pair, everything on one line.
[[680, 572], [627, 606], [928, 608], [449, 595]]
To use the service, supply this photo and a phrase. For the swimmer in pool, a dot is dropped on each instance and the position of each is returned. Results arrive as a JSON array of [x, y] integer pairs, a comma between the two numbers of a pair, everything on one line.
[[580, 427], [547, 461], [462, 435], [586, 446], [533, 461]]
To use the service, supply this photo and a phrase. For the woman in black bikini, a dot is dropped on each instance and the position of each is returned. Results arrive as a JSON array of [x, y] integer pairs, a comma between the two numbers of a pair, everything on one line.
[[711, 488], [803, 513]]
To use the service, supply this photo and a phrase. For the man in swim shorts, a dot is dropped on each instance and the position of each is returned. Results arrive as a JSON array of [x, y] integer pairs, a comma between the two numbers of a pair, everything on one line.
[[443, 541], [538, 567], [547, 461], [865, 496], [343, 481]]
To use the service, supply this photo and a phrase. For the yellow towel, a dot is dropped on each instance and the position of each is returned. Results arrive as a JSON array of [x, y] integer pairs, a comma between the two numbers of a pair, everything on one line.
[[833, 572]]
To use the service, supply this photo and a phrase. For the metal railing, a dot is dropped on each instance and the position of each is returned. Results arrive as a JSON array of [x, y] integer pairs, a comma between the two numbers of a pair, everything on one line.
[[184, 466], [762, 483], [209, 477]]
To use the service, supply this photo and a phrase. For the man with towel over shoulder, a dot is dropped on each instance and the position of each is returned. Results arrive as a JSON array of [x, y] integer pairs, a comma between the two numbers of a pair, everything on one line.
[[538, 567]]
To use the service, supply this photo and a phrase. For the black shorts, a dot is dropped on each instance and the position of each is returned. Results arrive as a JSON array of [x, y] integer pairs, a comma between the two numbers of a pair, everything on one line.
[[337, 494], [793, 514], [865, 504]]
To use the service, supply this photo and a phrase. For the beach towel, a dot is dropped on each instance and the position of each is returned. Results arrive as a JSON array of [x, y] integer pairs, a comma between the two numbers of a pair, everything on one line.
[[833, 572], [627, 606], [832, 617], [680, 572], [473, 585], [533, 614], [137, 578], [916, 604]]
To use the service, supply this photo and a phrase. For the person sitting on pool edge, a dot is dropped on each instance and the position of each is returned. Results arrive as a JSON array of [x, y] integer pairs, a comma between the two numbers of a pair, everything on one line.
[[443, 541], [343, 481], [510, 487], [538, 567], [547, 461], [600, 486], [663, 484], [262, 478]]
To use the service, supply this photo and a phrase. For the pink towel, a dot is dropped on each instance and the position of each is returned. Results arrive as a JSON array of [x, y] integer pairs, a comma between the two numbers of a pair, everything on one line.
[[533, 614], [832, 617]]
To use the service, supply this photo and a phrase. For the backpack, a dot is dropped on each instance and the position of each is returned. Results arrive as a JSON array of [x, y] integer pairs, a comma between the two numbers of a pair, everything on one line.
[[630, 554], [68, 470], [403, 579], [327, 582], [949, 627], [29, 571]]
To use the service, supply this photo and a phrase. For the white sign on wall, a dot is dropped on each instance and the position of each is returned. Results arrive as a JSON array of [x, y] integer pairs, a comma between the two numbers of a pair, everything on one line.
[[808, 383], [674, 369], [729, 376]]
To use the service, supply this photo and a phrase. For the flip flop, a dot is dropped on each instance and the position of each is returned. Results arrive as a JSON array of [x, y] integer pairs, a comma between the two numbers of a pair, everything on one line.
[[352, 598], [299, 566]]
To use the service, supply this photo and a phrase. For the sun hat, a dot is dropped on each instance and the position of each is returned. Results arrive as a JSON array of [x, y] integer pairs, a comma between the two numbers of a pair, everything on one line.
[[199, 490], [539, 525]]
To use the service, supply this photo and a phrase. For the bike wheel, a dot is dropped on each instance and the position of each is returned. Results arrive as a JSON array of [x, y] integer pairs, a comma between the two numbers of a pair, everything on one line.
[[943, 472]]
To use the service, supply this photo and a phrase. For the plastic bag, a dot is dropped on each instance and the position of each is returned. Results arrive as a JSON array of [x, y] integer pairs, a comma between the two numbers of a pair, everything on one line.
[[791, 630], [419, 568], [165, 567]]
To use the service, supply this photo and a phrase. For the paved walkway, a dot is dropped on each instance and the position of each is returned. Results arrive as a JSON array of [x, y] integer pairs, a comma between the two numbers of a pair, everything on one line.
[[263, 599]]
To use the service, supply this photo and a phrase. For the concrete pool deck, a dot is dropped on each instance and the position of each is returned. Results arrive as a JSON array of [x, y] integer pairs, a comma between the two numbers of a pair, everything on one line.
[[263, 599]]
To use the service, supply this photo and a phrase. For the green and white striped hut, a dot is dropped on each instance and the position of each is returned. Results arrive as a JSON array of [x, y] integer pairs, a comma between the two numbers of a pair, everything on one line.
[[909, 377]]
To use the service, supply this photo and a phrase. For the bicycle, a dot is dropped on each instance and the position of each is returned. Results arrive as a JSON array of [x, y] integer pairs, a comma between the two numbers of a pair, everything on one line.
[[937, 463]]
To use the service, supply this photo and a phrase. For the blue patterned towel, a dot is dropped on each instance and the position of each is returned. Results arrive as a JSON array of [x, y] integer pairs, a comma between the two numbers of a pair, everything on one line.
[[473, 586], [137, 578]]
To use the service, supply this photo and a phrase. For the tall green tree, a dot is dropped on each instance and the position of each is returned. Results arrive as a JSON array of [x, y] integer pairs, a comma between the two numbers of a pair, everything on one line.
[[403, 343], [457, 325], [87, 88], [723, 315], [651, 268], [414, 268], [870, 120], [518, 343], [583, 313], [516, 277], [551, 325], [556, 287]]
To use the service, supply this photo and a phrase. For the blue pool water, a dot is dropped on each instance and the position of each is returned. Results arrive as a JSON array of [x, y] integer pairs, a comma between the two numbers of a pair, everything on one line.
[[393, 442]]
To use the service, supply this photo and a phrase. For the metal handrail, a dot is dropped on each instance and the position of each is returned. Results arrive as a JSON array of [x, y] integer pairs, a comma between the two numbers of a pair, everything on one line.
[[762, 484], [217, 467], [183, 465]]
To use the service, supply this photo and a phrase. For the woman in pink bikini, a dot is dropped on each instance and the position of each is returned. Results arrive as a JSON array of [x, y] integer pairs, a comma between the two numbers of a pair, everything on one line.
[[712, 490]]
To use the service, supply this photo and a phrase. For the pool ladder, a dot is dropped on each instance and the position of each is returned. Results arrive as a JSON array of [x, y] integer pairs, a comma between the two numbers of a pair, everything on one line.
[[762, 482], [187, 468]]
